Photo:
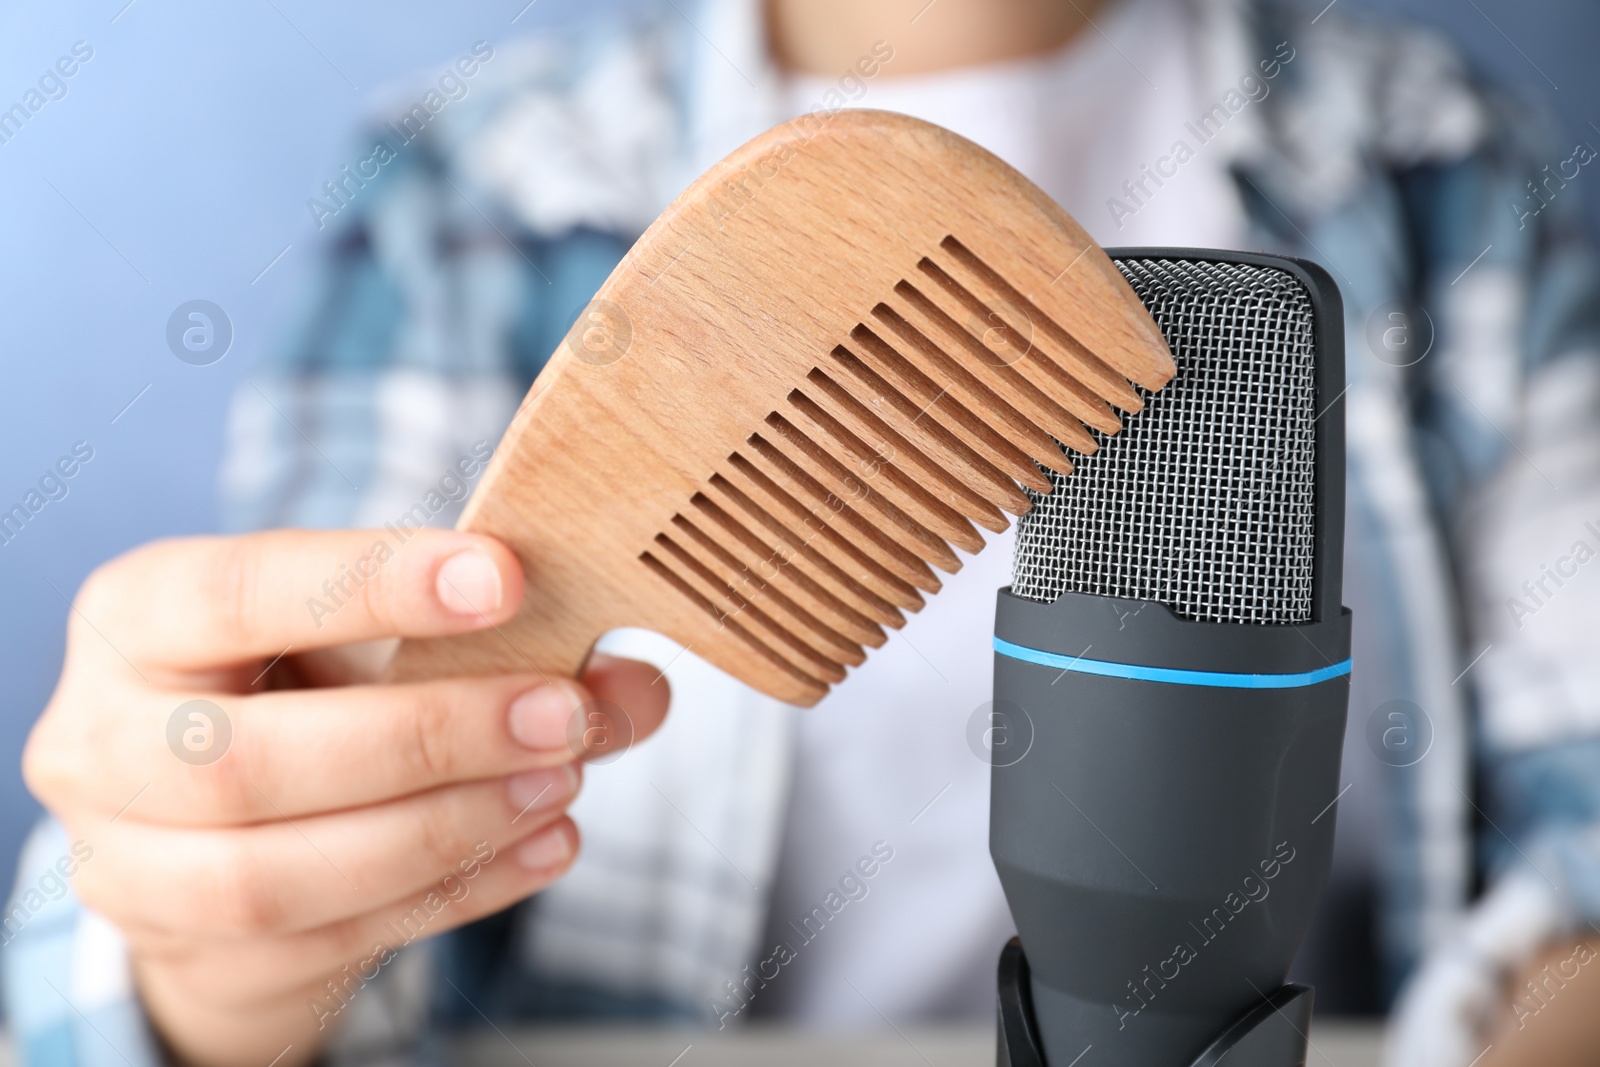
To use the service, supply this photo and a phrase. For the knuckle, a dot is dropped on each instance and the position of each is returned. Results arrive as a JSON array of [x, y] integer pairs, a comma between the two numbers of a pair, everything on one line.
[[49, 773], [43, 770], [53, 763], [106, 590], [96, 589], [238, 896], [232, 589], [227, 787], [98, 602], [378, 602], [438, 829], [346, 938], [428, 749]]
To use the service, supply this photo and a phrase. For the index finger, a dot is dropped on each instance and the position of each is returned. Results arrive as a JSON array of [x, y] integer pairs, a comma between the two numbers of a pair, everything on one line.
[[206, 602]]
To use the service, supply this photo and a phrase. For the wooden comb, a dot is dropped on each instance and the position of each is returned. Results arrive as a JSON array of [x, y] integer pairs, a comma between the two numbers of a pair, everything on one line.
[[840, 348]]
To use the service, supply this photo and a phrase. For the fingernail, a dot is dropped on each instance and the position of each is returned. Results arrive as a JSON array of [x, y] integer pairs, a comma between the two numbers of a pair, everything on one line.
[[549, 849], [469, 584], [542, 789], [540, 717]]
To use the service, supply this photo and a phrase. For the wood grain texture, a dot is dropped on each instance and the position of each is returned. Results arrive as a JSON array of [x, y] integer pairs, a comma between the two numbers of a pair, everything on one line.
[[826, 367]]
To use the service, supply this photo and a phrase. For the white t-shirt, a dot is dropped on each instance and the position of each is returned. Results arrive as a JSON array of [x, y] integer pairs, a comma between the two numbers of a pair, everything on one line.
[[886, 756]]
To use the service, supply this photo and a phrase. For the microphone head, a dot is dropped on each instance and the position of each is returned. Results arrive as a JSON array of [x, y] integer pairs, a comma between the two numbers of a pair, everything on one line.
[[1223, 498]]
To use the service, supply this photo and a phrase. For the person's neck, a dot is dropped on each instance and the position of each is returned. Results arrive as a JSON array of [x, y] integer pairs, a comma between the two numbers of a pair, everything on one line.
[[827, 36]]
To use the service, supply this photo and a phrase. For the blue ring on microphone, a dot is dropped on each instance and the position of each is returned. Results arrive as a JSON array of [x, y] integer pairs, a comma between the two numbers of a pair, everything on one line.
[[1170, 675]]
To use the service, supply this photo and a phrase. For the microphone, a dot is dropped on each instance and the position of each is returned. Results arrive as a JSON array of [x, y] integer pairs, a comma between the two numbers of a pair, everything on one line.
[[1171, 682]]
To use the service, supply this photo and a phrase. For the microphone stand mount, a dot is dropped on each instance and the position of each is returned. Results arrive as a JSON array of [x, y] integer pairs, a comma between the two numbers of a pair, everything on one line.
[[1272, 1034]]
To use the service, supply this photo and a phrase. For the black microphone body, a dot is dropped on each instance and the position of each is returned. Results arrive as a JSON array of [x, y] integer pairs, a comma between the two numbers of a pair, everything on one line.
[[1171, 684]]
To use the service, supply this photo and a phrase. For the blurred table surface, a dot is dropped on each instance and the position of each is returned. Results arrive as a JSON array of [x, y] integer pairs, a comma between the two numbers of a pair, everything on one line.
[[1334, 1044]]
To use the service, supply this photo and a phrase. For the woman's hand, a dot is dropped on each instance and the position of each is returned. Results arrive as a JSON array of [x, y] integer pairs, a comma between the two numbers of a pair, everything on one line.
[[258, 823]]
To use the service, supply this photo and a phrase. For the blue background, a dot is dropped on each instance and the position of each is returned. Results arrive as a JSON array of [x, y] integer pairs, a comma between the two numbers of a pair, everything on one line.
[[178, 166]]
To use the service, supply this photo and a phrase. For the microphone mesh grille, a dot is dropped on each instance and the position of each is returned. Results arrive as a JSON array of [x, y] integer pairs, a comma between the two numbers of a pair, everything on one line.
[[1205, 501]]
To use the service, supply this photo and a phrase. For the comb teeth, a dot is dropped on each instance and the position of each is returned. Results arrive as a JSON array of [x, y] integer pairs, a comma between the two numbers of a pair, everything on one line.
[[826, 526]]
